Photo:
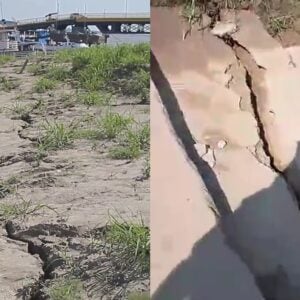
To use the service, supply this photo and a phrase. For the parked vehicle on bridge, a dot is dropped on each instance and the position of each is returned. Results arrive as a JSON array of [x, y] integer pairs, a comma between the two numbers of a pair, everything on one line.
[[77, 35]]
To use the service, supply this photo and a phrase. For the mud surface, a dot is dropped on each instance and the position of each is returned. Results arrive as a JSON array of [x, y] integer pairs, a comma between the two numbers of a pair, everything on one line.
[[231, 101], [54, 203]]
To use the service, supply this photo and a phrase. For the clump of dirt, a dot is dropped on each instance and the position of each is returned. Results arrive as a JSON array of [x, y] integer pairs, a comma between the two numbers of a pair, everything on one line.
[[91, 258]]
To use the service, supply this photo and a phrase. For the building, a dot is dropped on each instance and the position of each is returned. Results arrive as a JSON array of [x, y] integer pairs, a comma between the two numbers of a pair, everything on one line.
[[8, 40]]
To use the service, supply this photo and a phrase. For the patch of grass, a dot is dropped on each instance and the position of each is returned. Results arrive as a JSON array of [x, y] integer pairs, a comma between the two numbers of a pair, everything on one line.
[[66, 289], [122, 69], [9, 211], [139, 296], [96, 98], [57, 73], [21, 111], [37, 69], [57, 135], [7, 84], [147, 168], [137, 84], [19, 108], [43, 85], [278, 24], [4, 59], [129, 150], [89, 134], [4, 190], [132, 143], [277, 16], [112, 124], [64, 56], [132, 242], [7, 187]]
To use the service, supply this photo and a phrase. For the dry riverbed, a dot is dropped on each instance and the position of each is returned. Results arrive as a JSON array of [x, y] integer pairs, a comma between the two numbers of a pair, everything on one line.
[[74, 175]]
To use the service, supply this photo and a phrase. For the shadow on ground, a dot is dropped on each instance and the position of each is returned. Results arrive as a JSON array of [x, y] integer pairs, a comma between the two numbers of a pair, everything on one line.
[[261, 231]]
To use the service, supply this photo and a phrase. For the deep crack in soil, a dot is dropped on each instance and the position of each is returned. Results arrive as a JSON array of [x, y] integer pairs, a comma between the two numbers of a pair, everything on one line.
[[254, 78]]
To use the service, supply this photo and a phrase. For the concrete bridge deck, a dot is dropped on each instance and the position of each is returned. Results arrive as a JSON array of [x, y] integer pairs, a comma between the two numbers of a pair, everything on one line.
[[117, 22]]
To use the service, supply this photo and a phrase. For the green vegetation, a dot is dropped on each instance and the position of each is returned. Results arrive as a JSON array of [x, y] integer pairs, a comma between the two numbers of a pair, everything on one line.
[[8, 84], [139, 296], [277, 24], [66, 289], [132, 242], [132, 139], [132, 143], [57, 73], [147, 168], [7, 187], [112, 124], [57, 135], [37, 69], [96, 98], [22, 111], [122, 70], [10, 211], [5, 190], [4, 59], [19, 108], [64, 56], [277, 16], [44, 84]]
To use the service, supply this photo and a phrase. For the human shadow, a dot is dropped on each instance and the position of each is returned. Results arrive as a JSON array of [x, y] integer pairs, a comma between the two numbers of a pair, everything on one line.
[[261, 236], [264, 236]]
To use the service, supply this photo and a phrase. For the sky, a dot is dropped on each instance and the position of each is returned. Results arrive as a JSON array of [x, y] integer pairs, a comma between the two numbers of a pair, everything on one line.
[[24, 9]]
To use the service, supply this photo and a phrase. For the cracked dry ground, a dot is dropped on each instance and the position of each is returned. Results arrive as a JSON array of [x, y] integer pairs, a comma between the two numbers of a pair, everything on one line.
[[51, 207], [231, 97]]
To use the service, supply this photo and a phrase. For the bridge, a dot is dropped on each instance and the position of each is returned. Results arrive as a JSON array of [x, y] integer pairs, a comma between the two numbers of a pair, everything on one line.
[[108, 23]]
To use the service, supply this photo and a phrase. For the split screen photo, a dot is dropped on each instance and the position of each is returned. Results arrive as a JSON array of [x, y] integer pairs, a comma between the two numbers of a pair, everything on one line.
[[149, 150]]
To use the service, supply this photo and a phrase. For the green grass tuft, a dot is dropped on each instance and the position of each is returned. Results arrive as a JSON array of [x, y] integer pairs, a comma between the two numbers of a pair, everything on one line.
[[37, 69], [57, 73], [12, 211], [123, 69], [96, 98], [4, 59], [66, 289], [57, 135], [7, 84], [44, 84], [132, 242], [112, 124], [132, 143], [139, 296]]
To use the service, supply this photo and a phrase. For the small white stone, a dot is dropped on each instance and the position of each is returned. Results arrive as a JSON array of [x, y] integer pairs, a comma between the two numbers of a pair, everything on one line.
[[222, 28], [222, 144]]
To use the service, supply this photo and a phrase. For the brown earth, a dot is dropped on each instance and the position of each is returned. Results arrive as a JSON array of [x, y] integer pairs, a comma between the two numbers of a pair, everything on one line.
[[228, 101], [280, 17], [66, 196]]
